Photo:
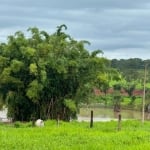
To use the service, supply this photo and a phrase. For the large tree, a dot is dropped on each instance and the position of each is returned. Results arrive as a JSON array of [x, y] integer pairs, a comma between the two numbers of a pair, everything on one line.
[[42, 76]]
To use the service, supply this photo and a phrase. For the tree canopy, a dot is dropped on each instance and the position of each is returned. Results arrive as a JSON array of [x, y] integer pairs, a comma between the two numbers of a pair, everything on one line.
[[44, 75]]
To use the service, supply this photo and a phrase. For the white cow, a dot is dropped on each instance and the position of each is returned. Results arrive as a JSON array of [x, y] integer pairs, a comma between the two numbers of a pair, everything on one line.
[[39, 123]]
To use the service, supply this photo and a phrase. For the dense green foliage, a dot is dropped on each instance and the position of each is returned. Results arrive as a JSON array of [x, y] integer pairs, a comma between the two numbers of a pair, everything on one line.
[[45, 75], [75, 136], [48, 75], [132, 69]]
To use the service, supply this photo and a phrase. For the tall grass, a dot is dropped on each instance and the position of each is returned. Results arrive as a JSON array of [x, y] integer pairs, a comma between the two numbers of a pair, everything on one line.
[[76, 136]]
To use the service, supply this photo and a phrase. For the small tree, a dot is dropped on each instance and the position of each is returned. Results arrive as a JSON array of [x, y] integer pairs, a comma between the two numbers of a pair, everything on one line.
[[129, 88], [117, 97]]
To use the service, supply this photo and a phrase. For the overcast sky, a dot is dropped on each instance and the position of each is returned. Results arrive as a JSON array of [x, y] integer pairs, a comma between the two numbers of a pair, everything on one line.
[[121, 28]]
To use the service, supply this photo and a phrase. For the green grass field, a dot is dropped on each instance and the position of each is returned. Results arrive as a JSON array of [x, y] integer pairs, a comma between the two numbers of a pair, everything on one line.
[[76, 136]]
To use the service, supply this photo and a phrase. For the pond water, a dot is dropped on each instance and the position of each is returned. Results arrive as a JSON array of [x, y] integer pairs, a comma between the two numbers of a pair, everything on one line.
[[3, 116], [99, 114], [3, 113], [107, 114]]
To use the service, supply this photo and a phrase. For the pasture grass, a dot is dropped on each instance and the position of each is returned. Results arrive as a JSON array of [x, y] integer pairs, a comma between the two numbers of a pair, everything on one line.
[[76, 136]]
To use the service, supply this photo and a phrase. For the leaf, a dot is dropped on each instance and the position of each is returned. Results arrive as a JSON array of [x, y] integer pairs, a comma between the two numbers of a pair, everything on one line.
[[70, 104], [3, 61], [28, 52], [96, 52], [6, 71], [33, 92], [16, 65], [43, 75], [33, 69]]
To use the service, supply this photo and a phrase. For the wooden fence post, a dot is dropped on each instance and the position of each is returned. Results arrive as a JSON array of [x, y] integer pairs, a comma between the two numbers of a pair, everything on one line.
[[119, 122], [91, 121]]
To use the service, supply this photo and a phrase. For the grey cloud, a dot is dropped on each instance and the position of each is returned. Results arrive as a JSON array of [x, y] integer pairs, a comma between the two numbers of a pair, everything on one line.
[[71, 4], [110, 25], [81, 3], [127, 53]]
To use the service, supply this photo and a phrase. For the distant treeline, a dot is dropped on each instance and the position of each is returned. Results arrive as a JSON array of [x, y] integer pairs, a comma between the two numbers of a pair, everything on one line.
[[132, 63], [132, 68]]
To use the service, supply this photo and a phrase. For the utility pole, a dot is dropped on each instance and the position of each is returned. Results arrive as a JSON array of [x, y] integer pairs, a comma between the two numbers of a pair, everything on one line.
[[143, 100]]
